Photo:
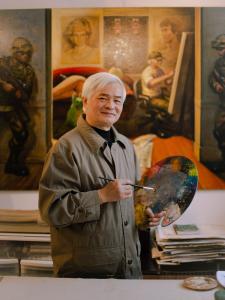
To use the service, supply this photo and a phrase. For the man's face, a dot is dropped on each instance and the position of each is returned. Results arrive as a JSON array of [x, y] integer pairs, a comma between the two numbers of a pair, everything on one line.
[[155, 62], [104, 108], [167, 33], [221, 52], [23, 57], [79, 36]]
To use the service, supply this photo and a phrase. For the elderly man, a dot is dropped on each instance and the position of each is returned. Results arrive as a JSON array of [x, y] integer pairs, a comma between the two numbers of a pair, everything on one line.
[[92, 220]]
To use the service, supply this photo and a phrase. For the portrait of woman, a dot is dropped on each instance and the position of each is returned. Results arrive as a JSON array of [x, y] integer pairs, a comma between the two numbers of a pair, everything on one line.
[[80, 41]]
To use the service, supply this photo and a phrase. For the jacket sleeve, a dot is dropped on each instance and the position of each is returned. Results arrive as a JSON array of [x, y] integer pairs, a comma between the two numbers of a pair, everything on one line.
[[61, 201]]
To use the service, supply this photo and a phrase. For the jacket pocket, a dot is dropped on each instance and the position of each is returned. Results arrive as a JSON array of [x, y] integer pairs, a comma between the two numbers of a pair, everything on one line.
[[98, 262]]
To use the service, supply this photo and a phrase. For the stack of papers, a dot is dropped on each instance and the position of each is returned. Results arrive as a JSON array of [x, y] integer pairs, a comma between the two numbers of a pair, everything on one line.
[[174, 247], [39, 237], [14, 215], [22, 221], [24, 244], [9, 267], [42, 267]]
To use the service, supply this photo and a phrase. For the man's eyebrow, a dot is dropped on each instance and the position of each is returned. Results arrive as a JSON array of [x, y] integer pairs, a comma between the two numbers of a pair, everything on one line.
[[107, 95]]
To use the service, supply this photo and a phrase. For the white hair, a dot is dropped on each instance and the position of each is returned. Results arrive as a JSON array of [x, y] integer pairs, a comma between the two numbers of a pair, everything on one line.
[[99, 81]]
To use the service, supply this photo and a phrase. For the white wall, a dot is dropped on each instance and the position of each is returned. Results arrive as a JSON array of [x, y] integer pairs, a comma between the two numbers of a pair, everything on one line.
[[107, 3], [207, 206], [19, 199]]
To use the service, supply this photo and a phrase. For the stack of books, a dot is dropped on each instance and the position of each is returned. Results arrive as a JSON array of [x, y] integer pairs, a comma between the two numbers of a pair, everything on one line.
[[42, 267], [36, 260], [189, 247], [24, 244], [22, 221], [9, 267]]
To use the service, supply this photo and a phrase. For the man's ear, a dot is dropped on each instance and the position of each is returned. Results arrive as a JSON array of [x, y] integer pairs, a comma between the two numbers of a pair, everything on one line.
[[84, 101]]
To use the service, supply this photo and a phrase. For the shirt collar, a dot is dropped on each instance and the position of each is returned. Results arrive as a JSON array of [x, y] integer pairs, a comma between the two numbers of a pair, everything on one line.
[[93, 139]]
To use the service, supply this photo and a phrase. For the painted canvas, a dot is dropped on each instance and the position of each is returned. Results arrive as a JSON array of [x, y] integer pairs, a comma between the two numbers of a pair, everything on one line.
[[125, 42], [23, 98], [80, 40], [130, 42], [158, 74], [212, 105]]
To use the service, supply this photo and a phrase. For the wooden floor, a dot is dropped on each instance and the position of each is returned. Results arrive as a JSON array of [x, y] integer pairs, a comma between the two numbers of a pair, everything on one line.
[[180, 145]]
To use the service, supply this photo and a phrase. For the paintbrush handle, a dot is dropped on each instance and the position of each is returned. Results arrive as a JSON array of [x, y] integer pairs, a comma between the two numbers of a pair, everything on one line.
[[134, 185]]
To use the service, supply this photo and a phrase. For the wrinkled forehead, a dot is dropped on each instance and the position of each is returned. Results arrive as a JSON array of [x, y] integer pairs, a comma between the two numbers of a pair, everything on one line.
[[112, 89]]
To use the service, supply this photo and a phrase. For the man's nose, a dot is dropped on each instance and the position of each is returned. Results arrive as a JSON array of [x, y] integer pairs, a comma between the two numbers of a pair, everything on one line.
[[110, 103]]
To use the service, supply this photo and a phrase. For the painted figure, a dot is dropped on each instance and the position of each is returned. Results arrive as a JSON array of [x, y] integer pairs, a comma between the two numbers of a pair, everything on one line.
[[137, 31], [78, 35], [170, 38], [18, 84], [217, 82], [116, 44], [125, 43], [155, 80], [154, 85]]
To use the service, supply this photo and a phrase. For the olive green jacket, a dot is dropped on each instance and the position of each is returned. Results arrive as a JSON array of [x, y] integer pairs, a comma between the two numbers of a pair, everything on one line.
[[89, 239]]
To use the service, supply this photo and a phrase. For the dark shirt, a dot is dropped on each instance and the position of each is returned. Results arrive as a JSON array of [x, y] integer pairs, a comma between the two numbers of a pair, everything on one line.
[[108, 135]]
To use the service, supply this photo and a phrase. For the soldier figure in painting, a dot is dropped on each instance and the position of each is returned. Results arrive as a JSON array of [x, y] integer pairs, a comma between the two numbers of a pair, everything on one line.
[[17, 84], [217, 82]]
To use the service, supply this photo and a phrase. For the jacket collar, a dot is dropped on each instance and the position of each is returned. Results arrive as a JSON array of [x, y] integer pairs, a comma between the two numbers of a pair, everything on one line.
[[93, 139]]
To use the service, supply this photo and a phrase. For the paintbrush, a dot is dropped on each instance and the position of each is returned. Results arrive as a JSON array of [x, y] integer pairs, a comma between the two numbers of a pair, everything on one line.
[[134, 185]]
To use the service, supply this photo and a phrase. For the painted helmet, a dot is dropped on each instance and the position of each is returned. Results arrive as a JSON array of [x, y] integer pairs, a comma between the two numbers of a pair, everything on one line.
[[21, 44], [219, 42]]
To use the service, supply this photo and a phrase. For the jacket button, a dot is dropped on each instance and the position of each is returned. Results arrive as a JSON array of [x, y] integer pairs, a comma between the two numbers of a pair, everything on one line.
[[125, 223], [129, 261]]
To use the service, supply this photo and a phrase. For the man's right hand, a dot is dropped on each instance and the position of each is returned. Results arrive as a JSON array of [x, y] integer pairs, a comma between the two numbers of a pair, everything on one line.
[[116, 190], [219, 88], [7, 87]]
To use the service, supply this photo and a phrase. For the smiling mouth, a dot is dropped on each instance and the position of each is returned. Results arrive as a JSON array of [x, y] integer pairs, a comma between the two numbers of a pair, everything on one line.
[[108, 114]]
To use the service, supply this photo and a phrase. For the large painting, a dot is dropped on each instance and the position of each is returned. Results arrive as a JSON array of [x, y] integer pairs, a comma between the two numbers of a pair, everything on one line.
[[24, 117], [212, 128], [152, 50], [140, 46]]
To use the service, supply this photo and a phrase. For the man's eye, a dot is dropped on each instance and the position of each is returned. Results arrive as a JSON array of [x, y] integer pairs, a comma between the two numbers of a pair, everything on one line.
[[117, 101], [102, 98]]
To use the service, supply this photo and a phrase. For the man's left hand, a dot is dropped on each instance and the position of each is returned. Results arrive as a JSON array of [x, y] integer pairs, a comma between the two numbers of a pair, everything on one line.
[[154, 219]]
